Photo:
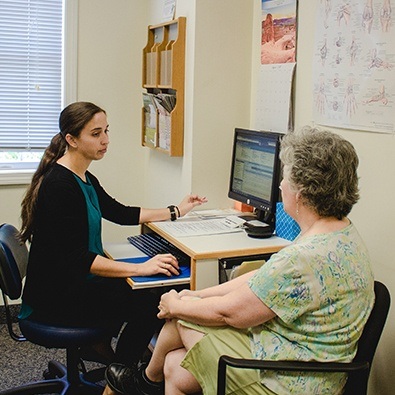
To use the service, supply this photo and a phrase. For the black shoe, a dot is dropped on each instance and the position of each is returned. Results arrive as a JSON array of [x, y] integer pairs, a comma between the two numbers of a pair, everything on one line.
[[129, 381], [145, 386], [120, 379]]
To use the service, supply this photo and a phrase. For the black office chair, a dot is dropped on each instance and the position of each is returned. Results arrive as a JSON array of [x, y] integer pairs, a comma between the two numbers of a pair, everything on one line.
[[358, 370], [71, 379]]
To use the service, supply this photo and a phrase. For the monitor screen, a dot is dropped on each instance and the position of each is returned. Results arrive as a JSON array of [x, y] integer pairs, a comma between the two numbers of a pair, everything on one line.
[[256, 171]]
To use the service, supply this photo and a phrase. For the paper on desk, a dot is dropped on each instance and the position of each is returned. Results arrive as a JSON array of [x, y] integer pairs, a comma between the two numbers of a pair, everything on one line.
[[204, 227], [218, 213]]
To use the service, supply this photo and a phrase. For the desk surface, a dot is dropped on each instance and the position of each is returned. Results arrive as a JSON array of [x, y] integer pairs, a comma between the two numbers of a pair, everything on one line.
[[221, 245]]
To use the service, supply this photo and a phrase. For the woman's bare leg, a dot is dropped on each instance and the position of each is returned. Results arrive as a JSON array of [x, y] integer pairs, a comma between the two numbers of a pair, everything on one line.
[[168, 340], [180, 381], [173, 342]]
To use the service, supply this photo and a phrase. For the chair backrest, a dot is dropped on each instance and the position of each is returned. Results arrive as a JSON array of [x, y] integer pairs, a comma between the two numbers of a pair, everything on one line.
[[13, 261], [369, 339]]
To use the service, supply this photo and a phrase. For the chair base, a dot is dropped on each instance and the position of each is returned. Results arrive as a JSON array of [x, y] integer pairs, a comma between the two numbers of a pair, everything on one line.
[[56, 382]]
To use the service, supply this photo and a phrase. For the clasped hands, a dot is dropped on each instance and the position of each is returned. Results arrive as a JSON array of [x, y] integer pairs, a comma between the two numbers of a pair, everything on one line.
[[169, 298]]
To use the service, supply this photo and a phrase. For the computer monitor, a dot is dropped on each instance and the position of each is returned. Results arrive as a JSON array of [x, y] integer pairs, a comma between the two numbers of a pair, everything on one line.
[[256, 171]]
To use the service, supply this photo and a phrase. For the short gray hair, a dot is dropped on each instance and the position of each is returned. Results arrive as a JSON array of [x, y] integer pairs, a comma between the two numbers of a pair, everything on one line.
[[322, 167]]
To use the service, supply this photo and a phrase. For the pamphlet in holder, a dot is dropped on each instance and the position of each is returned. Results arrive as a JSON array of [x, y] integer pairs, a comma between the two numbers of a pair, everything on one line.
[[150, 120], [164, 130], [150, 136]]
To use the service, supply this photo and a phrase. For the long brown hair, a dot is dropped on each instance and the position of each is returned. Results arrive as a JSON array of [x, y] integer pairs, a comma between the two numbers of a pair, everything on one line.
[[72, 120]]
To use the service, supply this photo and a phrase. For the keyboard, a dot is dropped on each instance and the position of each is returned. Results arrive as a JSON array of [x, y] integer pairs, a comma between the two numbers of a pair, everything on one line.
[[153, 244]]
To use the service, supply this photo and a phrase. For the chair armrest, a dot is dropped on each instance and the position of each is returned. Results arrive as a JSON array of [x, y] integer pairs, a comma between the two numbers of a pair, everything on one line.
[[291, 365], [294, 366]]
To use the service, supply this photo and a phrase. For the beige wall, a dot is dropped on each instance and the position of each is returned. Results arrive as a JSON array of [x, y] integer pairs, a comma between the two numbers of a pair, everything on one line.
[[220, 37], [110, 41]]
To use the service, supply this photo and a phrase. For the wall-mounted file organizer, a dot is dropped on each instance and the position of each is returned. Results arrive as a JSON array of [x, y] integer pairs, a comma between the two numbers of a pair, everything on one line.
[[163, 81]]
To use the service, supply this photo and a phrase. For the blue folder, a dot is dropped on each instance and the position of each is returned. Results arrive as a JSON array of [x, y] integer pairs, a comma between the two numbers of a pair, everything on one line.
[[185, 272]]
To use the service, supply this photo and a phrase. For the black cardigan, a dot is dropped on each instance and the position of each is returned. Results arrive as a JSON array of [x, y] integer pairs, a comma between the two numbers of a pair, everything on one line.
[[59, 258]]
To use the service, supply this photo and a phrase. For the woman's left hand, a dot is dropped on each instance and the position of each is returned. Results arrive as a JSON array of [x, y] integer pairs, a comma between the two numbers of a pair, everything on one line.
[[189, 202], [165, 303]]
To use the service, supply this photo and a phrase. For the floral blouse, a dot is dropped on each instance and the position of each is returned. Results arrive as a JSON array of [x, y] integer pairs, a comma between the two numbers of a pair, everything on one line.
[[321, 289]]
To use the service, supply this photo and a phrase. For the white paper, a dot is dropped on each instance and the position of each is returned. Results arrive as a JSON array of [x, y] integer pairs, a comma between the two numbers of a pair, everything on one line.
[[169, 8], [274, 93], [199, 227], [218, 213]]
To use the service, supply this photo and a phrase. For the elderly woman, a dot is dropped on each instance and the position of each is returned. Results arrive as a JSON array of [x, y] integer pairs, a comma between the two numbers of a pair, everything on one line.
[[310, 301]]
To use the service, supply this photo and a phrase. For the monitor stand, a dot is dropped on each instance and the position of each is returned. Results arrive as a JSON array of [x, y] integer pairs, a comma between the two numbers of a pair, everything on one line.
[[248, 216], [265, 217], [258, 224], [259, 232]]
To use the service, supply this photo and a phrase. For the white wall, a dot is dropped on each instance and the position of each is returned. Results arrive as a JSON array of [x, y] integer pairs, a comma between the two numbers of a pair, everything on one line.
[[220, 35]]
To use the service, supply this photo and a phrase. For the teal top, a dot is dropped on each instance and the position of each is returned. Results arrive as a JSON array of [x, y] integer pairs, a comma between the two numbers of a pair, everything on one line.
[[94, 217], [321, 289], [94, 222]]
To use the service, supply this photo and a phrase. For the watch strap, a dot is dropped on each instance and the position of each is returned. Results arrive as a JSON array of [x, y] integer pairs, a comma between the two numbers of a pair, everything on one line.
[[173, 215]]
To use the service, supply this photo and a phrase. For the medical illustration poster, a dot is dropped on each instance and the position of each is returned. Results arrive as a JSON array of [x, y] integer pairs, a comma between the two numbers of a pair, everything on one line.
[[354, 65]]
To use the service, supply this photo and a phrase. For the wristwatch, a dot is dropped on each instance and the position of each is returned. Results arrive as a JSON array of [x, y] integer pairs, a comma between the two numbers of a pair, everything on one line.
[[173, 215]]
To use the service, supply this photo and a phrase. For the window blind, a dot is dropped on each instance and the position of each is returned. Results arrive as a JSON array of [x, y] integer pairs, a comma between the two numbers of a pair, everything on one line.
[[30, 72]]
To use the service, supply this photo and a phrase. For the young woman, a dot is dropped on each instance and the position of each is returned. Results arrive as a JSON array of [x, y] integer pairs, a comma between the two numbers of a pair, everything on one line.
[[310, 301], [69, 280]]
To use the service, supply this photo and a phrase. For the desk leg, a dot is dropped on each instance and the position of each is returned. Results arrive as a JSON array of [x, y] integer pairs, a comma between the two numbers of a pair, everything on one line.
[[204, 273]]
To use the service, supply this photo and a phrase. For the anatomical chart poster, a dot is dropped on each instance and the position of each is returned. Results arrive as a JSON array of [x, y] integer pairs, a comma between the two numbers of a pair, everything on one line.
[[354, 65]]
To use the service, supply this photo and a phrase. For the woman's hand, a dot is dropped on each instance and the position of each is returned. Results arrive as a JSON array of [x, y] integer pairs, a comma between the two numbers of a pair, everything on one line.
[[189, 202], [165, 302], [163, 214], [160, 264], [168, 299]]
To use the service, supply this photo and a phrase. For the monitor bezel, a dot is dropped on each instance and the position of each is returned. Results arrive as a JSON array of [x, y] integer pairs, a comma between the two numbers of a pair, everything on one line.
[[264, 209]]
